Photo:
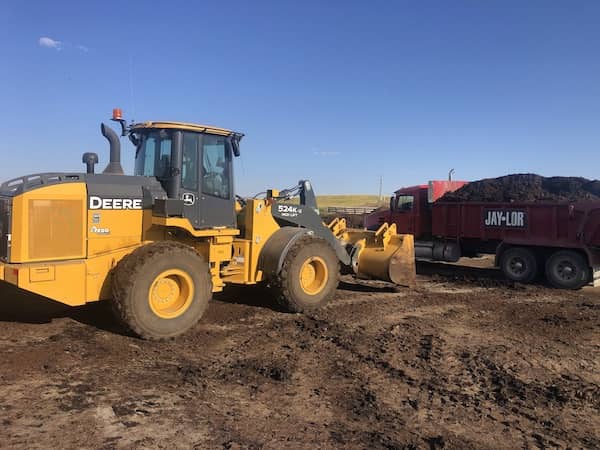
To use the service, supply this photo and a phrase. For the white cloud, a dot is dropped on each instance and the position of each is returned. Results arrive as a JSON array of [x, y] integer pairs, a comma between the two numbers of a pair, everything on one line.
[[83, 48], [50, 43]]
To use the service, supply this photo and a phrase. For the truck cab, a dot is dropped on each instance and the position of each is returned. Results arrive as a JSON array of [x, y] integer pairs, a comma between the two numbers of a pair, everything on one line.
[[411, 211], [410, 208]]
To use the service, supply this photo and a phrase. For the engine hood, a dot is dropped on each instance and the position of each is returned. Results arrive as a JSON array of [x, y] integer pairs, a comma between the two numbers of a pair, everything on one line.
[[104, 191]]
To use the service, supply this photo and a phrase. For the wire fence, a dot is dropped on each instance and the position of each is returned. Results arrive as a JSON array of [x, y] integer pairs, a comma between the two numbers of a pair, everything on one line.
[[357, 210]]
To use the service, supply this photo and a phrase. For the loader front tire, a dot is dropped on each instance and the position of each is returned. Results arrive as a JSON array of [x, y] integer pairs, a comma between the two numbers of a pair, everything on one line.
[[161, 290], [309, 275]]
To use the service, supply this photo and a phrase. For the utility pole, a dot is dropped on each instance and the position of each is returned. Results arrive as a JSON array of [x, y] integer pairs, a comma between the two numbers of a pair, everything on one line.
[[380, 189]]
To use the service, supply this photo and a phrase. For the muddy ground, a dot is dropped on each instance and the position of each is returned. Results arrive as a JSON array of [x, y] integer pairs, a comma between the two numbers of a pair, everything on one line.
[[464, 361]]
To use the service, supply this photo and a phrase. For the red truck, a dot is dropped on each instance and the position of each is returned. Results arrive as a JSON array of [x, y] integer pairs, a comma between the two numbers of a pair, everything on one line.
[[559, 239]]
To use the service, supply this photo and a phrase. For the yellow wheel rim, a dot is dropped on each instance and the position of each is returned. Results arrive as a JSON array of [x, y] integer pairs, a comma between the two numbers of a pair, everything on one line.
[[171, 294], [313, 275]]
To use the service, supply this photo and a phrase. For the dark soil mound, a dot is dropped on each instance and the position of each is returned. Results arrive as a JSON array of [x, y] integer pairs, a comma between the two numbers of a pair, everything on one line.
[[526, 188]]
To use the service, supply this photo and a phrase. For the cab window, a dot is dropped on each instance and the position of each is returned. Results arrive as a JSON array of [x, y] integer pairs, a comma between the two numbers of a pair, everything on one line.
[[163, 169], [147, 157], [189, 164], [404, 202], [153, 156], [215, 166]]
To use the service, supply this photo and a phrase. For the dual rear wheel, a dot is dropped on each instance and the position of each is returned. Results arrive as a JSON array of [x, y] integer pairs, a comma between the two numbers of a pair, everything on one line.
[[565, 269]]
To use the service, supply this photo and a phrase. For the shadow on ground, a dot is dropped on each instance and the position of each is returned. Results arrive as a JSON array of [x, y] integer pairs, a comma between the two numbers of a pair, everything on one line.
[[367, 286], [445, 269], [258, 295], [20, 306]]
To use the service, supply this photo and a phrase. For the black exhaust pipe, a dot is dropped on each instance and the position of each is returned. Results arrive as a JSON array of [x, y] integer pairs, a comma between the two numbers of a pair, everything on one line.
[[114, 166]]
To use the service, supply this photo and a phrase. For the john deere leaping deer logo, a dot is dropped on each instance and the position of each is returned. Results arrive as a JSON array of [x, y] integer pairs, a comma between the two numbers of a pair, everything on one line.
[[188, 198]]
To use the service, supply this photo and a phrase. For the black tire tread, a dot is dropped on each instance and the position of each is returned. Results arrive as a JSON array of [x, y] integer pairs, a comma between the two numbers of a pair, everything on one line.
[[583, 280], [283, 295], [128, 269], [534, 273]]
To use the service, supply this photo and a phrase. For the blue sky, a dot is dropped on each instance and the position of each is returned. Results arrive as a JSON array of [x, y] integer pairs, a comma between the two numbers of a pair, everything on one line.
[[339, 92]]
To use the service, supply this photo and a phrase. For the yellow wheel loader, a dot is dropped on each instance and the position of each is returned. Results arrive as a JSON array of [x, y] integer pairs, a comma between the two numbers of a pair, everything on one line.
[[158, 244]]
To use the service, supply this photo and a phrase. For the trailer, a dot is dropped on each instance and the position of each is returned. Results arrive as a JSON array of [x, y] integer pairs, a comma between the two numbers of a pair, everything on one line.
[[560, 240]]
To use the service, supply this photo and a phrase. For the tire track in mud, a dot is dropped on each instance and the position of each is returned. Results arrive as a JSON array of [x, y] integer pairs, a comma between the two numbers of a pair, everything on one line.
[[368, 373], [438, 367], [498, 386]]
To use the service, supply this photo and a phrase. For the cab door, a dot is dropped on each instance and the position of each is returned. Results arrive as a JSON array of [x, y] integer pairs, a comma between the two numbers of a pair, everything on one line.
[[403, 214], [190, 168], [217, 200], [206, 180]]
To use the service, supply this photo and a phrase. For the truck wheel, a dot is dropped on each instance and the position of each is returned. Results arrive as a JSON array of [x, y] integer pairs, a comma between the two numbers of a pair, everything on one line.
[[567, 269], [309, 275], [519, 264], [161, 290]]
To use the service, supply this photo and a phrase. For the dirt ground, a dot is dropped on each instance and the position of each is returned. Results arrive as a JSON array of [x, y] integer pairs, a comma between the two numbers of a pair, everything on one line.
[[466, 360]]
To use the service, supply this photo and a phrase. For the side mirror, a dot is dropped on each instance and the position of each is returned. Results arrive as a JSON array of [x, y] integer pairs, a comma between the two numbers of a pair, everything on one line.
[[236, 147], [235, 143]]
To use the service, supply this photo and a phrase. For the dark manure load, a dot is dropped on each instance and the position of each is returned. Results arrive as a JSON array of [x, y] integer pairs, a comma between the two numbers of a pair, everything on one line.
[[527, 188]]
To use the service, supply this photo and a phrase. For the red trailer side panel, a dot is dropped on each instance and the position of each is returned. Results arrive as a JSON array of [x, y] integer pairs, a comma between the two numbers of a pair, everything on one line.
[[551, 224]]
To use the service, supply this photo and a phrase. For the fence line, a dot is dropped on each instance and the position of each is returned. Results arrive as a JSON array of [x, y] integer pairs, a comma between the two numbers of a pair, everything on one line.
[[351, 210]]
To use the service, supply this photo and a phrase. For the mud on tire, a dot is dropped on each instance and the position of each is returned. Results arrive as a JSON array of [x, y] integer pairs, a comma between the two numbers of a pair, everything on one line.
[[161, 290], [309, 275]]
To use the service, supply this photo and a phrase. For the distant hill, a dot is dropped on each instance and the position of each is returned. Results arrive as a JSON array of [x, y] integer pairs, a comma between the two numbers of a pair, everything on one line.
[[323, 201]]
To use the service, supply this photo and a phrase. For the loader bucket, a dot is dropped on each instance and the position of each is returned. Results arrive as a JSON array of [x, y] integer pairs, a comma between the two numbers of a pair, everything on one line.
[[382, 254], [395, 261]]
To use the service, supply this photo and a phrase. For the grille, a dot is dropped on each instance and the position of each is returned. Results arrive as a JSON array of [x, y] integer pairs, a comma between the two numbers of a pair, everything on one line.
[[5, 207], [56, 229]]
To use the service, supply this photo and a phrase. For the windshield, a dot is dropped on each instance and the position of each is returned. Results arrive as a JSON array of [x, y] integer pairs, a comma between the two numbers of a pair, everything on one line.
[[403, 202], [153, 157]]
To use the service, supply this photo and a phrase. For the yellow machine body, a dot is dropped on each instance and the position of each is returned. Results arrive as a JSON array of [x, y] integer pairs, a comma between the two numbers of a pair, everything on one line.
[[53, 243], [56, 253]]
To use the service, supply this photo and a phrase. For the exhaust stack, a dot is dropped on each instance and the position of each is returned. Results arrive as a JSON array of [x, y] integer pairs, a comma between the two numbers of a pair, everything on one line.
[[114, 166]]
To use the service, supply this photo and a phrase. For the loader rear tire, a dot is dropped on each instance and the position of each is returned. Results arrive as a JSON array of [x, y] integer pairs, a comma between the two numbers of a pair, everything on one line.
[[161, 290], [309, 275]]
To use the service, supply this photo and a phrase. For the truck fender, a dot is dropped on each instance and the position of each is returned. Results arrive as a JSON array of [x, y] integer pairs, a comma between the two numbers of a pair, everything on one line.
[[276, 248]]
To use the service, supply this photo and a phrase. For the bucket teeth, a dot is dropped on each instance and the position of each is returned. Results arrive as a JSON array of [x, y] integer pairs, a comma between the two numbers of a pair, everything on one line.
[[383, 254]]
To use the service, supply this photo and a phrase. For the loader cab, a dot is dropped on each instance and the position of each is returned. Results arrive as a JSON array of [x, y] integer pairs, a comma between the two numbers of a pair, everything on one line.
[[194, 165]]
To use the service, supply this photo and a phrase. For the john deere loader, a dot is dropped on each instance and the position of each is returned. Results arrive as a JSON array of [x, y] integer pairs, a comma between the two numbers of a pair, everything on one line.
[[158, 244]]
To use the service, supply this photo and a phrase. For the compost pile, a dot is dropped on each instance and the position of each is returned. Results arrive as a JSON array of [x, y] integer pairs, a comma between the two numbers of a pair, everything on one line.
[[526, 188]]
